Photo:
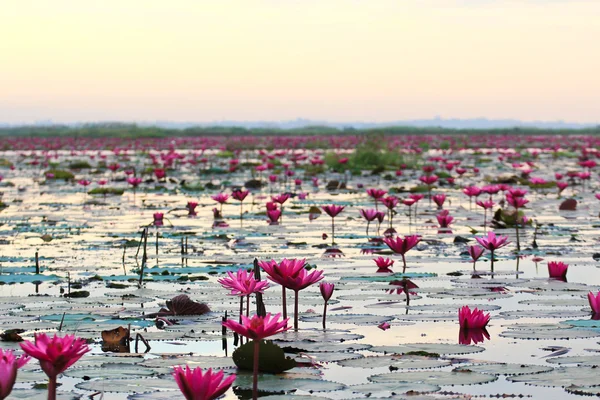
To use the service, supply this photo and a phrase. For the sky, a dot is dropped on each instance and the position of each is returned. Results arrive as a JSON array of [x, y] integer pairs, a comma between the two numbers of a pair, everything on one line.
[[272, 60]]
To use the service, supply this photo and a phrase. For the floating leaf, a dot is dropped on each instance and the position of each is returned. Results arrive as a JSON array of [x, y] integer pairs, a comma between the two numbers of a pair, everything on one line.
[[271, 358]]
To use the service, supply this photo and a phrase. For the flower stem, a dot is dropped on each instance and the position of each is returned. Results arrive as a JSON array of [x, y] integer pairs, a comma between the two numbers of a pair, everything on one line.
[[248, 306], [403, 264], [255, 373], [324, 314], [368, 222], [52, 388], [492, 261], [296, 310], [284, 302], [332, 231]]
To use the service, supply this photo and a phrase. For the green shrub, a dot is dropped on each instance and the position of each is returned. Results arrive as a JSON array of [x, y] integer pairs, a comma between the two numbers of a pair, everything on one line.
[[79, 164], [107, 191], [59, 174]]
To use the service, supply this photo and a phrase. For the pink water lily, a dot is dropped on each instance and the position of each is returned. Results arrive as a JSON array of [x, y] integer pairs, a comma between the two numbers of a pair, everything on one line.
[[9, 365], [402, 246], [383, 264], [594, 300], [333, 210], [472, 319], [326, 292], [492, 243], [196, 384], [257, 328], [557, 270], [55, 355]]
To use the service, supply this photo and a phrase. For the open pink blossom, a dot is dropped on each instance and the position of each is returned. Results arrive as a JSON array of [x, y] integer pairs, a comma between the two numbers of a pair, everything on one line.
[[383, 264], [472, 319], [9, 365], [196, 384], [594, 300], [557, 269]]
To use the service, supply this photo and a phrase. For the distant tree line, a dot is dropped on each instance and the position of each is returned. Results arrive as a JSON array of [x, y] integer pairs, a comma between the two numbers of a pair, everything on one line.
[[134, 131]]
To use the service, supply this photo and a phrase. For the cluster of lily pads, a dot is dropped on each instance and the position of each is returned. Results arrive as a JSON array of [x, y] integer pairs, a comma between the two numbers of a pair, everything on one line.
[[106, 237]]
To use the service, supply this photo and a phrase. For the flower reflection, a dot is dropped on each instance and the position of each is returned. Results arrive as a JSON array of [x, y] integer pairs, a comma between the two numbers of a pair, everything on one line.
[[333, 253], [472, 336]]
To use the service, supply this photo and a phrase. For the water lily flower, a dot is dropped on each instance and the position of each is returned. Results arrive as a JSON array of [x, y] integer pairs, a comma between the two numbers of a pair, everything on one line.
[[402, 246], [439, 199], [55, 355], [557, 270], [475, 252], [383, 264], [243, 284], [369, 214], [158, 219], [492, 243], [196, 385], [291, 274], [9, 365], [257, 328], [594, 300], [333, 211], [220, 198], [472, 319], [376, 195], [326, 291], [384, 326], [444, 219], [191, 207]]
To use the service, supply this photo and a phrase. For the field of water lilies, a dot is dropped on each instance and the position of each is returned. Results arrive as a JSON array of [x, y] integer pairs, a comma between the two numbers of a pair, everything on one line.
[[338, 267]]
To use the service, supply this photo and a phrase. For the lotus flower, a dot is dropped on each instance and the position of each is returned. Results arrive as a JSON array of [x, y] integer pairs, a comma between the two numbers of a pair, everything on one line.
[[376, 194], [439, 200], [291, 274], [220, 198], [370, 215], [333, 211], [383, 264], [55, 355], [196, 385], [384, 326], [486, 205], [273, 216], [243, 283], [472, 319], [557, 270], [402, 246], [475, 252], [191, 207], [492, 243], [158, 219], [257, 328], [594, 300], [9, 365], [326, 291], [444, 219]]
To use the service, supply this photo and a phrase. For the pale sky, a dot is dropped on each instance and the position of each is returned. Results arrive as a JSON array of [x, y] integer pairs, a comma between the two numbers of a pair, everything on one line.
[[335, 60]]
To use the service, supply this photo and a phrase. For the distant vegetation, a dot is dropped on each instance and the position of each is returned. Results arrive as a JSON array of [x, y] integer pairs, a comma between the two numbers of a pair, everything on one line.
[[133, 131]]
